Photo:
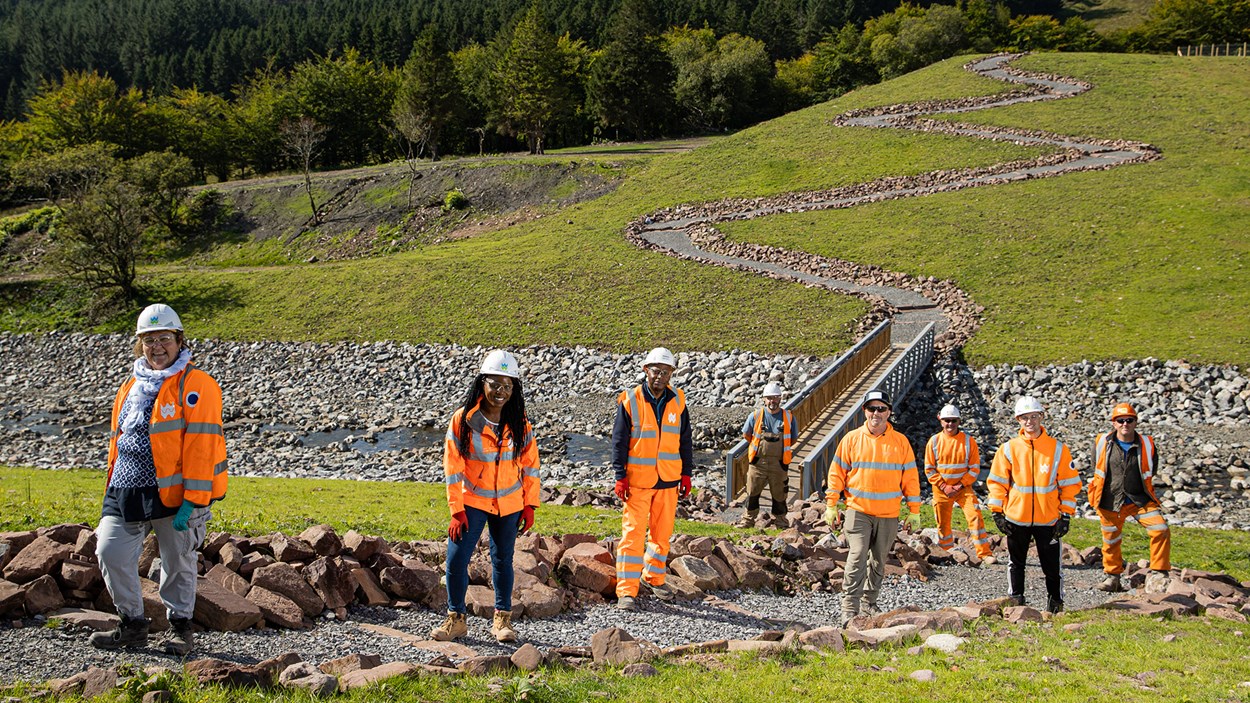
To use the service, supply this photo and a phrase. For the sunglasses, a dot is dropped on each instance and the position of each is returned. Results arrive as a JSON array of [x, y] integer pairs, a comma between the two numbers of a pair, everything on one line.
[[950, 419], [1124, 420], [877, 408]]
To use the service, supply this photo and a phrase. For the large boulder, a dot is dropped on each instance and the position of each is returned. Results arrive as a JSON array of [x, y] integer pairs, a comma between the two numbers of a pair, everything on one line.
[[291, 549], [615, 647], [305, 676], [367, 677], [414, 581], [363, 547], [331, 581], [40, 557], [218, 608], [323, 540], [368, 588], [282, 578], [751, 570], [43, 595], [223, 576], [278, 610], [218, 672], [590, 566], [12, 596], [697, 572]]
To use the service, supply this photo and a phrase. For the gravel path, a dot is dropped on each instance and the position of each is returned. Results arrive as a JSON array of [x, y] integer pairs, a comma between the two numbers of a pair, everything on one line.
[[47, 652]]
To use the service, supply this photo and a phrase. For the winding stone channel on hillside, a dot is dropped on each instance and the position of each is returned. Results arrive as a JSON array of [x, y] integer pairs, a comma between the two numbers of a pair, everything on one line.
[[688, 231]]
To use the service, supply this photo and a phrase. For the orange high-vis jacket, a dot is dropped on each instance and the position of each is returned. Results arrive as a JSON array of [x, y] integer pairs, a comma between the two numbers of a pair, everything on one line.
[[496, 477], [1032, 481], [1101, 450], [188, 445], [787, 442], [952, 460], [654, 446], [876, 473]]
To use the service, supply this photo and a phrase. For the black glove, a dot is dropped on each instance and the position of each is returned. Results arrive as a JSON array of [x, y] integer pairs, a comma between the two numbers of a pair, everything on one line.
[[1061, 527], [1000, 521]]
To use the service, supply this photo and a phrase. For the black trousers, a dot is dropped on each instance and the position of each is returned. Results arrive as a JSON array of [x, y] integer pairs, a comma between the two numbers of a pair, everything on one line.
[[1047, 552]]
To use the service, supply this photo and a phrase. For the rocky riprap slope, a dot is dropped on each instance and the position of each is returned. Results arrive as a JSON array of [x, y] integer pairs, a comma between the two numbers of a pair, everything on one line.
[[279, 395]]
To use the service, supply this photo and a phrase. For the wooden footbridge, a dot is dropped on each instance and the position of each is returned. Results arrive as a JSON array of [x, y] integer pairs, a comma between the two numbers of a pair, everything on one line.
[[830, 405]]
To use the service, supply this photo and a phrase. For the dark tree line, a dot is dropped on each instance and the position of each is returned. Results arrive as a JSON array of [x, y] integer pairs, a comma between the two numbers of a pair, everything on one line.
[[157, 45]]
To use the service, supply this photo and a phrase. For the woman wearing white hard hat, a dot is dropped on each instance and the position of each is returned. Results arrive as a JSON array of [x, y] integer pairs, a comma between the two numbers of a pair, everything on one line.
[[491, 466], [166, 464], [771, 432], [1033, 490]]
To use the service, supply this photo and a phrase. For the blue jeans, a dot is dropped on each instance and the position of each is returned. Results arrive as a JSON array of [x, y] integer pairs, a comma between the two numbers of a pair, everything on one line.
[[503, 531]]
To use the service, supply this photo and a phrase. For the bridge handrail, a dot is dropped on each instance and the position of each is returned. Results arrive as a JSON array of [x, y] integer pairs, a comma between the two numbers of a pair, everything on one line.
[[897, 381], [809, 402]]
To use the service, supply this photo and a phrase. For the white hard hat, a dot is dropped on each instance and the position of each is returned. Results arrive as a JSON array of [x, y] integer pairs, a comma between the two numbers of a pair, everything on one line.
[[773, 388], [1028, 404], [157, 317], [501, 363], [660, 355], [948, 411]]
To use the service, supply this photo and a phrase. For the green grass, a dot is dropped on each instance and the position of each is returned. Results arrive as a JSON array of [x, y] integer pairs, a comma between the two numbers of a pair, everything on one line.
[[1110, 15], [31, 498], [1141, 260], [1111, 657], [572, 279]]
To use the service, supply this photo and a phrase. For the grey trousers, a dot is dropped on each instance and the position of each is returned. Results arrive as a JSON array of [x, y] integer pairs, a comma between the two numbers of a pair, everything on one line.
[[118, 545], [869, 539]]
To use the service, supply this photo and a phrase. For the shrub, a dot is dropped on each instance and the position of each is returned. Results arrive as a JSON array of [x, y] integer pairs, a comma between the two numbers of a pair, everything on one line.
[[455, 200]]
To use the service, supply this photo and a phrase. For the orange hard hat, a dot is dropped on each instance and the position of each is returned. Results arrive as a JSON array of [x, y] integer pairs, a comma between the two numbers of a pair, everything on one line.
[[1123, 410]]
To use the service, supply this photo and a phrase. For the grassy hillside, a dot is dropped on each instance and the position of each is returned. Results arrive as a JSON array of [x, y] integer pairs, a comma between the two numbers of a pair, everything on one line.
[[1144, 260], [571, 278], [1141, 260]]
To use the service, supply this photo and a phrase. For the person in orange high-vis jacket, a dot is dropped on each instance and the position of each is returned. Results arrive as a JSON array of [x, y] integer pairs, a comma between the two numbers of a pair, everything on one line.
[[1122, 487], [771, 432], [653, 461], [490, 462], [951, 463], [875, 467], [1033, 490], [166, 465]]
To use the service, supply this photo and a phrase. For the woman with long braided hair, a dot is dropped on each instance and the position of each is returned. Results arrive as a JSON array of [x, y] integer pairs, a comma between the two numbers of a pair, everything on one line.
[[491, 465]]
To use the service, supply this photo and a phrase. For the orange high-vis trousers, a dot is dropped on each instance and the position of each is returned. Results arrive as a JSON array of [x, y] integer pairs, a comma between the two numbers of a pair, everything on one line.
[[1150, 518], [639, 554], [944, 507]]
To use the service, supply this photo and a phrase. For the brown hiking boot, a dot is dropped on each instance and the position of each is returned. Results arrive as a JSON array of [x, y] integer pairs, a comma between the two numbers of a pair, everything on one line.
[[181, 639], [502, 627], [748, 519], [131, 632], [453, 628]]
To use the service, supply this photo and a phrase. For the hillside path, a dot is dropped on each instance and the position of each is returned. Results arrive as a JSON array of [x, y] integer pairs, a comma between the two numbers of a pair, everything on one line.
[[688, 231]]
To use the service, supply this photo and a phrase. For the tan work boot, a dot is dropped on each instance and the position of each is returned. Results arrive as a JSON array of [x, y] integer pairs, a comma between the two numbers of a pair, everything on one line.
[[1111, 584], [453, 628], [989, 560], [502, 627], [748, 519]]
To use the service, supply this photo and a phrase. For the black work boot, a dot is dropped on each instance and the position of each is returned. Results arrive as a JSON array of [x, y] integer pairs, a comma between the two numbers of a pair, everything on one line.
[[1054, 606], [181, 640], [132, 632]]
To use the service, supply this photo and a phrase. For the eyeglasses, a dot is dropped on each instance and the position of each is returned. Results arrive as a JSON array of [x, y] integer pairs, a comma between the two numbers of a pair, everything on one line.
[[658, 370], [1124, 420], [504, 386], [157, 341], [877, 408]]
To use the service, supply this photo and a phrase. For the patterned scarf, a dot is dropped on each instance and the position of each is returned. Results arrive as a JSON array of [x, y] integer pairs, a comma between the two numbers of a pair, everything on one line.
[[143, 393]]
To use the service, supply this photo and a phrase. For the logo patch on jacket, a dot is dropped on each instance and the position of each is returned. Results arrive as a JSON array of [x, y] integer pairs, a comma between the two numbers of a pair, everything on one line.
[[672, 417], [192, 398], [167, 410]]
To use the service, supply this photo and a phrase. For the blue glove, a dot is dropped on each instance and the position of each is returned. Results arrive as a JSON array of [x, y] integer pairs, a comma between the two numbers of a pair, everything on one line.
[[184, 514]]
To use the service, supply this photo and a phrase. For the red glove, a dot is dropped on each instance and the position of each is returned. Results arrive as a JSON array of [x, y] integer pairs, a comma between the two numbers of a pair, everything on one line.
[[622, 489], [455, 530], [684, 489], [527, 519]]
